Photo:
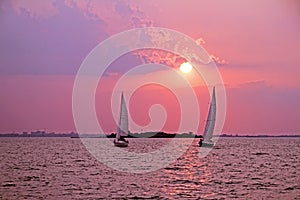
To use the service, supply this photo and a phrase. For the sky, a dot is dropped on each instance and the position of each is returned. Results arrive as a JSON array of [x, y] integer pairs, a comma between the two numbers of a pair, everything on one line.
[[254, 43]]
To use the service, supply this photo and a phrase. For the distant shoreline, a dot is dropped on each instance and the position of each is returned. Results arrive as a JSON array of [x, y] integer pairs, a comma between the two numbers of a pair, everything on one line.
[[133, 135]]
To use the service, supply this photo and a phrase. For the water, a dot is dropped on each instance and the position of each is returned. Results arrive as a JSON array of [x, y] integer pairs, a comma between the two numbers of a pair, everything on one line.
[[62, 168]]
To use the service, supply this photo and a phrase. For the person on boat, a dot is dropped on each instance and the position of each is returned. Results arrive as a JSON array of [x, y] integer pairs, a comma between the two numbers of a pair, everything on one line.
[[122, 138], [200, 141]]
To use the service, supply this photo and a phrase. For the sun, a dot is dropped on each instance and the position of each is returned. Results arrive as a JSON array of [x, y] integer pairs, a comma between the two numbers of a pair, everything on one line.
[[186, 67]]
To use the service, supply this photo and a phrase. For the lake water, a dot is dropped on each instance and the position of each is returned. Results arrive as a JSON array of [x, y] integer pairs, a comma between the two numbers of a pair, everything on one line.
[[62, 168]]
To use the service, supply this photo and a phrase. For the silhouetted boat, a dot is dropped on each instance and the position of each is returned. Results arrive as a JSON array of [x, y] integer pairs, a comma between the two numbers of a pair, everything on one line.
[[210, 124], [122, 131]]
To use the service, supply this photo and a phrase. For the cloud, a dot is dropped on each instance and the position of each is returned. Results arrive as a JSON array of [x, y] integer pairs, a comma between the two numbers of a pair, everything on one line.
[[159, 57], [200, 41], [173, 60], [37, 9], [219, 61], [53, 45], [117, 15], [254, 83], [123, 9], [95, 21]]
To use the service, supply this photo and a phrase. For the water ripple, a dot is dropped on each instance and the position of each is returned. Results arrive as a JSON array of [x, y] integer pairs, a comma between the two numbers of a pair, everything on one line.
[[61, 168]]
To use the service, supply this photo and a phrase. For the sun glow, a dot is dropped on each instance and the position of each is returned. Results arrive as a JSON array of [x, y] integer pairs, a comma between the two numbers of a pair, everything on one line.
[[186, 67]]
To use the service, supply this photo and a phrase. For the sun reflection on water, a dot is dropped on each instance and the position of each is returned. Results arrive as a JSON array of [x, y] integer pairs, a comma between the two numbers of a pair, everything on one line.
[[188, 175]]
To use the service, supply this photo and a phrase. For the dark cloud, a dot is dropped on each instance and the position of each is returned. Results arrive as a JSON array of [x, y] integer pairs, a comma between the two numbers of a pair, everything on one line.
[[123, 9], [56, 45], [58, 40]]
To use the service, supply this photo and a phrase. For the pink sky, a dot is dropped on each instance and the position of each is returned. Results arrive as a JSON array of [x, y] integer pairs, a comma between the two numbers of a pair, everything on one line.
[[256, 44]]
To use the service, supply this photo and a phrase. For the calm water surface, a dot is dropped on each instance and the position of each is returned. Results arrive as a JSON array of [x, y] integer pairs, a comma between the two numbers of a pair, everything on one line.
[[61, 168]]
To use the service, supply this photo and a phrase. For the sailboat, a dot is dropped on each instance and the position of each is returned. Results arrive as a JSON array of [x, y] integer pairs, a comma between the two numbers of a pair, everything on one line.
[[122, 130], [210, 124]]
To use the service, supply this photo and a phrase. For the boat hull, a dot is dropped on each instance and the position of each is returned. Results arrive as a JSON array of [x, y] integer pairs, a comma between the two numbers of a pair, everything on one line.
[[204, 144], [121, 144]]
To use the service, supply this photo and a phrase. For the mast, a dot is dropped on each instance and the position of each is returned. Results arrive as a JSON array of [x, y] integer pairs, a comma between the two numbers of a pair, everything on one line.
[[211, 119]]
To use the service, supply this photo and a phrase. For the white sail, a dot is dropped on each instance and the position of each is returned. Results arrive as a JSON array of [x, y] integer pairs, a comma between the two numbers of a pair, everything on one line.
[[211, 119], [123, 120]]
